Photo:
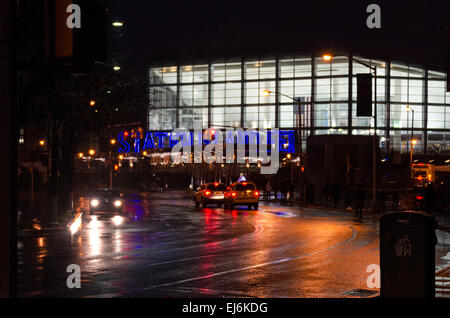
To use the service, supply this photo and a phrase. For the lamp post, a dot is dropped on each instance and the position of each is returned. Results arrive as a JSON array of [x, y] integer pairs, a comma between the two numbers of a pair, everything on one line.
[[409, 108], [328, 58], [299, 127]]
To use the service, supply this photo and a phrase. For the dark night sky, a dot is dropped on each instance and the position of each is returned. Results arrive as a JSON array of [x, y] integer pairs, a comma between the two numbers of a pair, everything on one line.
[[410, 30]]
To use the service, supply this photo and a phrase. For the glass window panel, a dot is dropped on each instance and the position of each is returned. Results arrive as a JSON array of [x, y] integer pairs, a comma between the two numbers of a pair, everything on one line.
[[201, 73], [262, 117], [438, 142], [267, 69], [416, 72], [188, 116], [436, 117], [218, 94], [218, 116], [434, 74], [218, 72], [302, 67], [436, 92], [286, 68], [252, 69], [233, 116], [169, 74], [322, 89], [339, 87], [233, 70], [155, 74], [187, 74], [416, 91], [232, 93], [399, 90], [163, 96], [287, 117], [254, 95], [162, 119]]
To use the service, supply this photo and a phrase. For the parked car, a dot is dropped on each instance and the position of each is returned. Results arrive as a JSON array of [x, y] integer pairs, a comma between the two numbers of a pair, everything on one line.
[[242, 193], [210, 193]]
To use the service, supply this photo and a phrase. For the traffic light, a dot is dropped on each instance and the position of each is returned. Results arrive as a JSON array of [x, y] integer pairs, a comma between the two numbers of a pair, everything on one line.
[[364, 94]]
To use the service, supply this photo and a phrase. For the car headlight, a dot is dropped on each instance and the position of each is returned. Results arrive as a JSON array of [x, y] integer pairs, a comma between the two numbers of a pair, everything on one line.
[[94, 202], [117, 220], [117, 203]]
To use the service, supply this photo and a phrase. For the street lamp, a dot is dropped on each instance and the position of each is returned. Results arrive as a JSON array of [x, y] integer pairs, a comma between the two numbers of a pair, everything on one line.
[[116, 68], [113, 141], [42, 143], [117, 24], [80, 155], [92, 152], [328, 58], [299, 126], [413, 143], [409, 108]]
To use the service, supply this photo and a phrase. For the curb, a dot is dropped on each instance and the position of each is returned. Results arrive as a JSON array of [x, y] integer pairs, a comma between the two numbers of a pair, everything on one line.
[[25, 232]]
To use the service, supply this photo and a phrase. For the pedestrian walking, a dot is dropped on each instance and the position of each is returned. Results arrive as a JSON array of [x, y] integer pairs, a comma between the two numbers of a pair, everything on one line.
[[360, 194], [429, 197], [291, 192]]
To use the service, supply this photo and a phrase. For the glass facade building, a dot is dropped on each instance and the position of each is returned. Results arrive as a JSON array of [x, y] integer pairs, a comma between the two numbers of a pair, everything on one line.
[[229, 93]]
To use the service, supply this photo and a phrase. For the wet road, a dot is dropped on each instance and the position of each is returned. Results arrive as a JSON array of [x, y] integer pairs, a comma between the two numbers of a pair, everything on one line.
[[168, 248]]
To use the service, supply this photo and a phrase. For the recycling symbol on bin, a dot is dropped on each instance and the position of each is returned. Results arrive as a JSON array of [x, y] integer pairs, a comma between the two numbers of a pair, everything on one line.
[[403, 246]]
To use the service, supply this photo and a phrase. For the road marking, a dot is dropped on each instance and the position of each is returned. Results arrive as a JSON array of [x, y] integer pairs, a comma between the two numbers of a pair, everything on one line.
[[279, 261]]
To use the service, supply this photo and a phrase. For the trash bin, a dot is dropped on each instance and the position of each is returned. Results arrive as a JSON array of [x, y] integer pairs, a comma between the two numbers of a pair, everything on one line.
[[407, 255]]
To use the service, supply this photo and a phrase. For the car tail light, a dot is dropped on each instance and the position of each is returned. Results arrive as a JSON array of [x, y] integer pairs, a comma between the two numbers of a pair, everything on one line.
[[419, 197], [208, 192], [256, 193], [216, 184], [233, 194]]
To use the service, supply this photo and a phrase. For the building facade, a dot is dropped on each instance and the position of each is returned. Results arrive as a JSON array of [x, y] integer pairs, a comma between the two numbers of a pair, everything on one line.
[[229, 93]]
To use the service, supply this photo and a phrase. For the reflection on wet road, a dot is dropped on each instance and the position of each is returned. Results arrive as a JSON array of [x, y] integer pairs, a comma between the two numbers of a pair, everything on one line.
[[165, 247]]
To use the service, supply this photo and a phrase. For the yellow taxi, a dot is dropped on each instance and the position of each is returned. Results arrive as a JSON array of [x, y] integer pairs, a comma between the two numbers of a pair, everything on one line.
[[210, 193], [242, 193]]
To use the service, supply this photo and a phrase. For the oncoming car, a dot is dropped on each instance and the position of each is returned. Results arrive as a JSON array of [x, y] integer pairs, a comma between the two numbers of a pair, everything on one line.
[[106, 200], [210, 193], [242, 193]]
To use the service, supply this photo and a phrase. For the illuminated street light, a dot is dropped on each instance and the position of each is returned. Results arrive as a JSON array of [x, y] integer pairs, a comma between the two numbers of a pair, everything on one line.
[[80, 155], [42, 142], [116, 68], [92, 102], [144, 153], [414, 141], [288, 156], [266, 92], [117, 24], [92, 152], [113, 141], [327, 57], [120, 157]]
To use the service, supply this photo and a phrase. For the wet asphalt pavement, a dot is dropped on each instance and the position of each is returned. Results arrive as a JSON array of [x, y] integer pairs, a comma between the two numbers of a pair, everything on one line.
[[166, 247]]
